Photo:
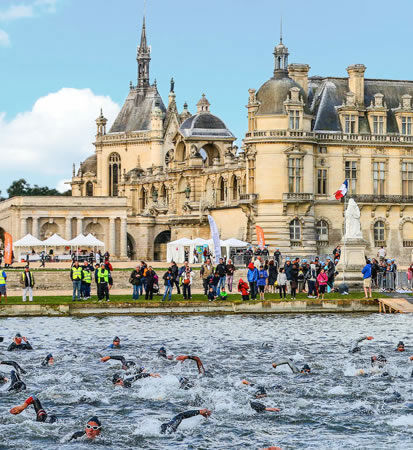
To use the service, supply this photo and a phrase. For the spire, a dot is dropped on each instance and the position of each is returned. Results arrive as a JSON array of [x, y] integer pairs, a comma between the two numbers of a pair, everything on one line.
[[281, 57], [281, 29], [143, 57]]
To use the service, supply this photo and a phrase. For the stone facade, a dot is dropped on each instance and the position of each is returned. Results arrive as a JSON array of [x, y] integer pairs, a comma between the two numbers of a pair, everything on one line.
[[305, 136]]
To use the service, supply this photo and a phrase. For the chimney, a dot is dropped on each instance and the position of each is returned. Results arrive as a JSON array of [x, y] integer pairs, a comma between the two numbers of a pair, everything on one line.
[[356, 82], [299, 73]]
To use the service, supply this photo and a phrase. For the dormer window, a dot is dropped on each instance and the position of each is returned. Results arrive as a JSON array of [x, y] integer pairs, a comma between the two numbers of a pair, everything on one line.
[[294, 120], [378, 124], [406, 126], [350, 123]]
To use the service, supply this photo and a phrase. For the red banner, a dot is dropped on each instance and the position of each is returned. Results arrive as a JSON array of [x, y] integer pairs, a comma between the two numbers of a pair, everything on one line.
[[260, 237], [8, 248]]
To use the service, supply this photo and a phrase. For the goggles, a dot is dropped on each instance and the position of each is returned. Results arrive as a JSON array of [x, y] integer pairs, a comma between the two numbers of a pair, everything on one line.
[[90, 427]]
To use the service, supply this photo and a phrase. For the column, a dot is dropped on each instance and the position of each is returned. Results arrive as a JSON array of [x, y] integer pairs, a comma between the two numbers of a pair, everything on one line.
[[112, 236], [68, 228], [123, 237], [23, 226], [79, 225], [35, 227]]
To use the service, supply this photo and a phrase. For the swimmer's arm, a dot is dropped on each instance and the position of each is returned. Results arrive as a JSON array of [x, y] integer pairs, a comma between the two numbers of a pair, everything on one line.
[[363, 338], [259, 407], [11, 347], [116, 358], [199, 364], [27, 344], [14, 364], [20, 408], [77, 435], [292, 366], [139, 376]]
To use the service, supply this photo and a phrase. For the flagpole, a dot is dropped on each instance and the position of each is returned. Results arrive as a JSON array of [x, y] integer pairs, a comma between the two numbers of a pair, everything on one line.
[[344, 238]]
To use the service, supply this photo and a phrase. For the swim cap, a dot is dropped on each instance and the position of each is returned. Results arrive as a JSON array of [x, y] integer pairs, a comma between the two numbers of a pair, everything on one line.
[[95, 419], [400, 344], [306, 368], [18, 335], [116, 339], [116, 377]]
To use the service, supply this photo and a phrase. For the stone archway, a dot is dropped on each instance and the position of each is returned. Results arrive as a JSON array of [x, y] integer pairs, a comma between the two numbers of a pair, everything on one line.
[[96, 229], [48, 229], [159, 247]]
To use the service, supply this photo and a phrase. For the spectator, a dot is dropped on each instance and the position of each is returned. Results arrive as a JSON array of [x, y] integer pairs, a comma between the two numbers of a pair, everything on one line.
[[301, 279], [331, 270], [43, 259], [76, 277], [168, 279], [282, 283], [144, 268], [206, 271], [211, 294], [230, 268], [252, 277], [150, 283], [322, 280], [277, 257], [27, 283], [221, 269], [195, 261], [287, 269], [294, 280], [311, 280], [187, 277], [367, 279], [262, 281], [374, 271], [135, 281], [3, 287], [86, 281], [337, 252], [382, 254], [104, 282], [243, 288], [272, 276], [410, 276], [265, 252], [175, 277]]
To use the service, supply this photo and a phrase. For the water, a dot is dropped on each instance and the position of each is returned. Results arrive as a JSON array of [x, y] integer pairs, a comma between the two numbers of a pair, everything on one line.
[[329, 409]]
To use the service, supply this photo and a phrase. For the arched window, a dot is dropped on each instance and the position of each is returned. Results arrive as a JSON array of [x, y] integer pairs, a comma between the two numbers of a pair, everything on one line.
[[295, 230], [114, 174], [379, 233], [322, 230], [164, 195], [234, 188], [221, 190], [143, 199], [89, 189]]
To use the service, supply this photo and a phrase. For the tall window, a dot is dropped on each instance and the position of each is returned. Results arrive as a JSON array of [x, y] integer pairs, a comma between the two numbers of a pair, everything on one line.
[[407, 126], [407, 178], [234, 188], [378, 178], [295, 230], [89, 189], [294, 120], [114, 174], [378, 124], [322, 230], [379, 233], [351, 176], [143, 199], [222, 190], [350, 123], [294, 174], [322, 181]]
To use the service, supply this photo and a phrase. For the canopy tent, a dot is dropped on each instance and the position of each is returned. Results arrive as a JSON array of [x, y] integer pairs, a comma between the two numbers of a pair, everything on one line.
[[95, 241], [175, 250], [28, 241], [233, 243], [55, 241], [79, 240]]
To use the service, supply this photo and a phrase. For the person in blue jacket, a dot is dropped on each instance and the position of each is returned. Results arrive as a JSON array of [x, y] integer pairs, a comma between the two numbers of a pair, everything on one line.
[[252, 277], [262, 281], [367, 279]]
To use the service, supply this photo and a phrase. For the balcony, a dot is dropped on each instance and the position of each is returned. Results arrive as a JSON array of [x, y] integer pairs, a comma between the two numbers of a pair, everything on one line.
[[248, 198], [368, 198], [298, 197], [407, 243]]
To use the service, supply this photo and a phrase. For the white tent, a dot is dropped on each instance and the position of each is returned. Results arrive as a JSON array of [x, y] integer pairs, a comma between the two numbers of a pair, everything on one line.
[[79, 240], [175, 250], [233, 243], [28, 241], [95, 242], [55, 241]]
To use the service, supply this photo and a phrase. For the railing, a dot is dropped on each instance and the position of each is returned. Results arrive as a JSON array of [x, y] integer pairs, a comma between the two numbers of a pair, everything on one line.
[[380, 243], [390, 281], [296, 243], [368, 198], [407, 243], [248, 197], [295, 197], [322, 243]]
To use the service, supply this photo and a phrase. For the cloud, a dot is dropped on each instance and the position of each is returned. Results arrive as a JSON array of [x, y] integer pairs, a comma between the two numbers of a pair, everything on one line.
[[4, 39], [61, 186], [58, 131], [14, 12]]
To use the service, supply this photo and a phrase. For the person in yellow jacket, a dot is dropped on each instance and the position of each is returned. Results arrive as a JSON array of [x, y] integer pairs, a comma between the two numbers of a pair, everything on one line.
[[3, 287], [104, 282], [76, 274], [27, 283], [86, 281]]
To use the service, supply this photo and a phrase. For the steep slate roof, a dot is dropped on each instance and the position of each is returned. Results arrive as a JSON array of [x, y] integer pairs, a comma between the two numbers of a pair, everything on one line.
[[135, 114], [326, 94]]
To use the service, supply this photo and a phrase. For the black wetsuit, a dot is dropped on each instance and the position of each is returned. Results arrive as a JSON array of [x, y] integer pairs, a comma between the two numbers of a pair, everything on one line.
[[127, 382], [16, 384], [259, 407], [77, 435], [125, 363], [172, 425], [41, 414], [23, 346], [16, 366], [355, 345]]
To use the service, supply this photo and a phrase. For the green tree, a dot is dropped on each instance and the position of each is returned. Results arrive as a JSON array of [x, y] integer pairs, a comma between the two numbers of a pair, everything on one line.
[[22, 188]]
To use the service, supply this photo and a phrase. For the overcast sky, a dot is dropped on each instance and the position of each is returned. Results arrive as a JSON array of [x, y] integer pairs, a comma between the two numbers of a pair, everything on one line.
[[62, 60]]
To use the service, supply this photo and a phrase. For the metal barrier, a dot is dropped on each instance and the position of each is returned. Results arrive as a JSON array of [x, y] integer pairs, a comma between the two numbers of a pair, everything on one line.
[[392, 281]]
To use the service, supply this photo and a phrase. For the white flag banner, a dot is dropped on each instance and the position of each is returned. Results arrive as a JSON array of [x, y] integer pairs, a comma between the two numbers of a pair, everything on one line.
[[215, 238]]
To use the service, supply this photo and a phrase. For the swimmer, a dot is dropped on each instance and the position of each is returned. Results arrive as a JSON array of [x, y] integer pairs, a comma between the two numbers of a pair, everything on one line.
[[162, 354], [259, 407], [41, 414], [126, 364], [305, 369], [198, 361], [259, 393], [18, 343], [355, 347], [127, 382], [48, 361], [115, 344], [185, 383], [16, 366], [378, 361], [172, 425], [91, 431], [16, 384], [400, 347]]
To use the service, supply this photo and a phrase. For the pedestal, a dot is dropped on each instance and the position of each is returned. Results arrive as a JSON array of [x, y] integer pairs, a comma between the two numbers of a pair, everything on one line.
[[352, 261]]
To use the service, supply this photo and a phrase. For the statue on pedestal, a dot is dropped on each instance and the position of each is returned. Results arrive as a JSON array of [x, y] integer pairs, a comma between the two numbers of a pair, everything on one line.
[[353, 229]]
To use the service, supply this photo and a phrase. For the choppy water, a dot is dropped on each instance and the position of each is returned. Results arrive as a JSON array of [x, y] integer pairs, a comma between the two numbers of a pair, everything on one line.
[[329, 409]]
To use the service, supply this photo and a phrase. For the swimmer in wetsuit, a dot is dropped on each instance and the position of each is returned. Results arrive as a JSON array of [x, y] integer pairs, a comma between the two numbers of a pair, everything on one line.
[[305, 369], [259, 393], [16, 384], [127, 382], [162, 354], [172, 425], [19, 343], [355, 345], [91, 431], [260, 407], [48, 361], [198, 361], [115, 344], [41, 414], [400, 347], [126, 364]]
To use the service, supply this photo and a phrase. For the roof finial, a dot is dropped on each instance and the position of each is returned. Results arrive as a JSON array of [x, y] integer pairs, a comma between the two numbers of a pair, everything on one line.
[[281, 29]]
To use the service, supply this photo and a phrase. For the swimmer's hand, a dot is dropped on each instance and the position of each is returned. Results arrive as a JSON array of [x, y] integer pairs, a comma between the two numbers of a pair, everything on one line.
[[411, 358], [245, 382], [24, 338], [169, 357], [205, 412], [105, 358], [17, 409], [155, 375], [274, 365], [273, 409], [369, 338]]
